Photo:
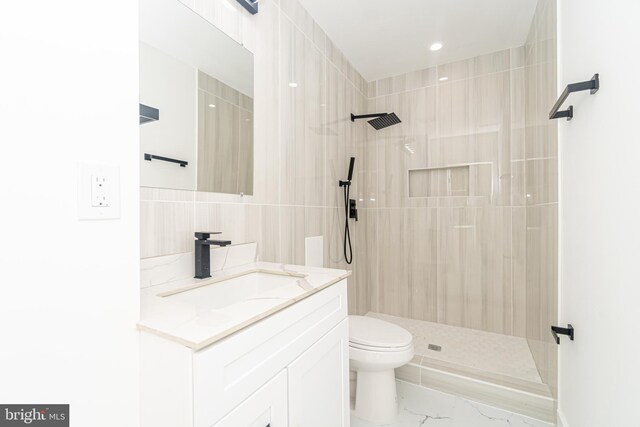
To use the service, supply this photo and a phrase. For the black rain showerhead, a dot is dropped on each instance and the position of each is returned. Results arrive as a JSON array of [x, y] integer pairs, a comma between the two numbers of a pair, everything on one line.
[[381, 120], [385, 121]]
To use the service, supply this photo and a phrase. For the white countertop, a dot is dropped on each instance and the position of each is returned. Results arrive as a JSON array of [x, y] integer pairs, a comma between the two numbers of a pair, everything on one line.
[[196, 327]]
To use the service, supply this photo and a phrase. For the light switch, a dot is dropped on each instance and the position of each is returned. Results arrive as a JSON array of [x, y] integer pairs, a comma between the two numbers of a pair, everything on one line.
[[98, 192]]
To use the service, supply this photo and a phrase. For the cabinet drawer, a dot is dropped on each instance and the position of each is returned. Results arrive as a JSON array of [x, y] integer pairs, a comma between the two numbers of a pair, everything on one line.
[[226, 373]]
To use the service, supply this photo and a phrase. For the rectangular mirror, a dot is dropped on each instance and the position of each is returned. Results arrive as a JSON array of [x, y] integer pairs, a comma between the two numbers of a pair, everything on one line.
[[197, 84]]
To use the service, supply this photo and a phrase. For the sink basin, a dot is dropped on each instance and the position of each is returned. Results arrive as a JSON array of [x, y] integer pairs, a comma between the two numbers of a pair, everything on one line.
[[222, 293]]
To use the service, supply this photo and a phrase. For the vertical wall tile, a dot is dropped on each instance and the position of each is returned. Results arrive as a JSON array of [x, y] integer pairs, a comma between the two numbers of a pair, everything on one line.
[[459, 268], [267, 106], [393, 282], [518, 123], [236, 222], [292, 109], [269, 243], [519, 254], [315, 111], [372, 271], [371, 89], [420, 240], [362, 254], [166, 228], [292, 234]]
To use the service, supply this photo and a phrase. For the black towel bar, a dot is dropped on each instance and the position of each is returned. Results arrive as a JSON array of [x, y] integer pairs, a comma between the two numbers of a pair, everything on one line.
[[150, 157], [591, 85]]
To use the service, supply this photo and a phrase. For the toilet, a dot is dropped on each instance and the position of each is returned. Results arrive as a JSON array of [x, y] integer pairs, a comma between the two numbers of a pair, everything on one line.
[[376, 348]]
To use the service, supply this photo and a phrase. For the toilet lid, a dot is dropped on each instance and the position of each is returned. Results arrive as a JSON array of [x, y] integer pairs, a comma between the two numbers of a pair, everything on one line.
[[372, 332]]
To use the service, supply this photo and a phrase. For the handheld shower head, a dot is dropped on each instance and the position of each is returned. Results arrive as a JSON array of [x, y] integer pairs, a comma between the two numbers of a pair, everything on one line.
[[351, 164]]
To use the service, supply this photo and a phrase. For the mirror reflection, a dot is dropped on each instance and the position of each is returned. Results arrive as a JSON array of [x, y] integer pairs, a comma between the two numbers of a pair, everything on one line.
[[200, 81]]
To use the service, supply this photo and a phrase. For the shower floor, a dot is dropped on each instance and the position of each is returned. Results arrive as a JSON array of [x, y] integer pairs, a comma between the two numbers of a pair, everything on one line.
[[486, 356]]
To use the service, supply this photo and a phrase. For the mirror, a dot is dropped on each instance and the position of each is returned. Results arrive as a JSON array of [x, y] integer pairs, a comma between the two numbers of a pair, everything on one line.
[[200, 83]]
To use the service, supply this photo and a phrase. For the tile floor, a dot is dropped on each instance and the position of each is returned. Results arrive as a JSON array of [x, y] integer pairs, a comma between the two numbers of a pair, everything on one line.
[[421, 407]]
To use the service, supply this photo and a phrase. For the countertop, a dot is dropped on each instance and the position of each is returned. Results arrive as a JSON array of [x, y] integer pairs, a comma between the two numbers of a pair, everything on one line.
[[198, 327]]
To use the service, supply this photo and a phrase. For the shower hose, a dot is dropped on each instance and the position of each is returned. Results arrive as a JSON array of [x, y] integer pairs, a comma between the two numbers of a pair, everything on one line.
[[348, 257]]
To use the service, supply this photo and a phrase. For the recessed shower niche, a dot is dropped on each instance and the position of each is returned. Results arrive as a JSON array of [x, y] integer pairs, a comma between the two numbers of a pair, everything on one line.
[[451, 181]]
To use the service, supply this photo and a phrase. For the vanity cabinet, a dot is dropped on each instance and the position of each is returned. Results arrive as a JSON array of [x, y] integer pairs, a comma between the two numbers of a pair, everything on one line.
[[267, 407], [318, 382], [289, 369]]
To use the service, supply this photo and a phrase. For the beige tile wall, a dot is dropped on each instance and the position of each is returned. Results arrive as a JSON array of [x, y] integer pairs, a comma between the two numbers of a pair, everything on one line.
[[448, 256], [303, 140]]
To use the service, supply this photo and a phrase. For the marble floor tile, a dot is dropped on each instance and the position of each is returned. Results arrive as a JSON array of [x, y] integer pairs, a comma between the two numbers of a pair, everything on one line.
[[420, 407]]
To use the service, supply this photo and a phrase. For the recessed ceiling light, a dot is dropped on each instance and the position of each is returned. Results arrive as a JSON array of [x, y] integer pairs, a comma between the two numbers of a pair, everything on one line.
[[212, 105], [435, 46], [293, 84], [444, 79]]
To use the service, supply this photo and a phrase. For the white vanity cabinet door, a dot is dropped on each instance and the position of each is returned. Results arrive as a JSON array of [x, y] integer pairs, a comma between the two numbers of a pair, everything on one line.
[[319, 382], [228, 372], [267, 407]]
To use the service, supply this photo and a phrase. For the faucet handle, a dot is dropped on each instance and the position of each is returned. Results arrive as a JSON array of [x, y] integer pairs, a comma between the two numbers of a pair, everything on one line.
[[204, 235]]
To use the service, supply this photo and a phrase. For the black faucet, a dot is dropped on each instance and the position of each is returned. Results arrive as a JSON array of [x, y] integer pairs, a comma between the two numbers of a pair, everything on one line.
[[203, 254]]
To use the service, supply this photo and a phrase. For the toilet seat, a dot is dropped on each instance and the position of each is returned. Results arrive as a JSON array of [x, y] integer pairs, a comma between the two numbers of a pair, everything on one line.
[[380, 349], [369, 333]]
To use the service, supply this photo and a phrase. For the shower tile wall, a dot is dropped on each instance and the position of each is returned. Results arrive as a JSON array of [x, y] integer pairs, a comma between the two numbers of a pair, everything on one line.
[[541, 153], [303, 140], [450, 257]]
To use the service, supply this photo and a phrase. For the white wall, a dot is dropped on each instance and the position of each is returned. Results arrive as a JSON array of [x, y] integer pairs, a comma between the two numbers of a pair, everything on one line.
[[69, 288], [599, 383], [172, 87]]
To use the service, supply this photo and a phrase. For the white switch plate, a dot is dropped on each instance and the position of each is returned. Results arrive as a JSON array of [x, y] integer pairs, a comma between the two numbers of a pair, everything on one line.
[[98, 192]]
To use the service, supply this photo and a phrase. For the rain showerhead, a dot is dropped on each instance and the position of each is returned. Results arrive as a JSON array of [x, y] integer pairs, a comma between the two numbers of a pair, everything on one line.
[[385, 121], [380, 120]]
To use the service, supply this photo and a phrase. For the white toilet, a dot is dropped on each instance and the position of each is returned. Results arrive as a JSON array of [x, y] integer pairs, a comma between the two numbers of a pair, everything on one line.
[[376, 348]]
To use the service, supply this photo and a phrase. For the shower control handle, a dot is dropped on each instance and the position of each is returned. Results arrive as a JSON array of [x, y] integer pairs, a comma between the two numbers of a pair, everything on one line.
[[353, 210]]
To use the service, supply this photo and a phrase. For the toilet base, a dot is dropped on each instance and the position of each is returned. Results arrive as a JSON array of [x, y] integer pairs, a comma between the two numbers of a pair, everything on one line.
[[376, 399]]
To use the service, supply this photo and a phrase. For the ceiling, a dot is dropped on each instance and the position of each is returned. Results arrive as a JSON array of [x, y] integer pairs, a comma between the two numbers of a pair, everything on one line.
[[383, 38]]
